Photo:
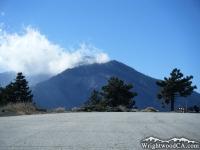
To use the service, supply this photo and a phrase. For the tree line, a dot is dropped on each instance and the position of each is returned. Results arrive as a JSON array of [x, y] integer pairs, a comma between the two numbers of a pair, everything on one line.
[[17, 91], [118, 93], [114, 94]]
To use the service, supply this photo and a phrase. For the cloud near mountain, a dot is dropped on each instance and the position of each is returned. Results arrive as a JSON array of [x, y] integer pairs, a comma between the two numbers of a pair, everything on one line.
[[32, 53]]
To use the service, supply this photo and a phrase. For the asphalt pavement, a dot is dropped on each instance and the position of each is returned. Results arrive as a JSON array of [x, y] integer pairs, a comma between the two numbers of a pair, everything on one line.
[[95, 130]]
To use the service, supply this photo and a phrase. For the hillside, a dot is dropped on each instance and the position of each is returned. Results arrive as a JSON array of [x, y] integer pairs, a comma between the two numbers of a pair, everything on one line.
[[6, 78], [73, 87]]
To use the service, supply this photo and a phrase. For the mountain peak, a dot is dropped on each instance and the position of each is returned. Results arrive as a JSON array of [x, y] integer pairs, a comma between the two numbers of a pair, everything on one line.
[[74, 86]]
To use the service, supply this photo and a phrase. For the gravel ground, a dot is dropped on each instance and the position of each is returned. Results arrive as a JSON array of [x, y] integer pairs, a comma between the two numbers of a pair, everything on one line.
[[95, 131]]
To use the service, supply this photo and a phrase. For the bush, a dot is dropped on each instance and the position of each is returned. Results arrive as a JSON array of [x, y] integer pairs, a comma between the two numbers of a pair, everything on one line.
[[196, 109], [149, 109], [19, 108], [99, 108], [123, 108], [58, 110], [75, 109], [134, 110], [89, 108], [112, 109]]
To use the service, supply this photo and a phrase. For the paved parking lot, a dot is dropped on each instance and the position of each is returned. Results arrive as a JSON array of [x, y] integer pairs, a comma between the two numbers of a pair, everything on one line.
[[96, 130]]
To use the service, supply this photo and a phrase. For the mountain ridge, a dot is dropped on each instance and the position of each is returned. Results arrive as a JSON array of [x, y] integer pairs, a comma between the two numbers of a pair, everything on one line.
[[72, 87]]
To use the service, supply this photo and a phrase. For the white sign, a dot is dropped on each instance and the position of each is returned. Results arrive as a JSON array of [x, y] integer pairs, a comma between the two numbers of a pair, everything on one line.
[[174, 143]]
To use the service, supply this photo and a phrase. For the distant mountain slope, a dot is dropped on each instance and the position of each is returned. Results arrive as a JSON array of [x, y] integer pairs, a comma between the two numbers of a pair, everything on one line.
[[73, 87], [7, 77]]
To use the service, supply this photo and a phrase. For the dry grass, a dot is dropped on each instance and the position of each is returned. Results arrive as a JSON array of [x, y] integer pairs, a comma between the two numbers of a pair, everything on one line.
[[149, 109], [123, 108], [19, 109], [58, 110], [134, 110]]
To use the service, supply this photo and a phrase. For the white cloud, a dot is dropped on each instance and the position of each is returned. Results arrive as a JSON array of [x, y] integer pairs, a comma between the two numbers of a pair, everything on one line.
[[33, 53], [2, 13]]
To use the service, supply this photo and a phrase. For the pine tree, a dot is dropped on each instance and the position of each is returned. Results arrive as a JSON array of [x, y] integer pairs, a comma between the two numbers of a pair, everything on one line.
[[16, 92], [117, 93], [21, 89], [2, 101], [9, 93], [175, 86], [94, 99]]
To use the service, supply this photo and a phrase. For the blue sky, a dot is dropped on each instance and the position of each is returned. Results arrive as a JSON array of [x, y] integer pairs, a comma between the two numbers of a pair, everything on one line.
[[151, 36]]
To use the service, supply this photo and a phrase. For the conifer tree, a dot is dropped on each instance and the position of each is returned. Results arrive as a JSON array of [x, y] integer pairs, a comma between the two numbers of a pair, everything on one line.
[[2, 101], [21, 89], [16, 92], [94, 99], [175, 86], [117, 93], [9, 93]]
